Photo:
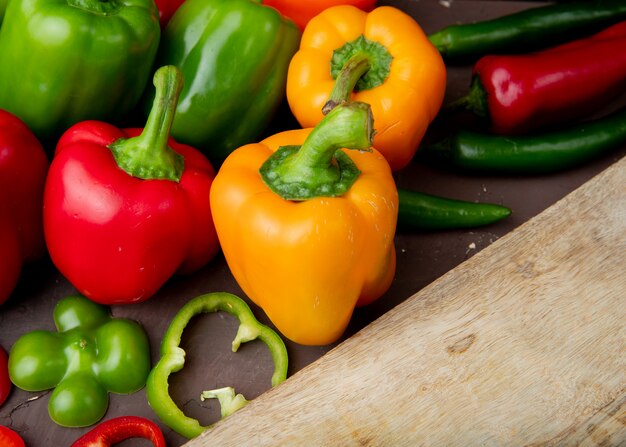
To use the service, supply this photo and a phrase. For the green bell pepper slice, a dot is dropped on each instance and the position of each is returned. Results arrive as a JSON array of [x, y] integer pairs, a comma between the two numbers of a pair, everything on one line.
[[91, 355], [173, 359], [65, 61], [234, 55]]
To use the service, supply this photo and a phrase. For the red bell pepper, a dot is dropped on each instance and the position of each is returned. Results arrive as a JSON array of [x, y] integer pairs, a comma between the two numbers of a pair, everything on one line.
[[5, 381], [301, 11], [9, 438], [521, 93], [119, 429], [124, 210], [167, 8], [23, 168]]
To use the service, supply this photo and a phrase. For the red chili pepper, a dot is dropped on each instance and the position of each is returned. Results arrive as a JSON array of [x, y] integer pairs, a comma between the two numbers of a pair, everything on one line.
[[118, 429], [9, 438], [5, 381], [524, 92], [123, 214], [23, 168], [167, 8], [301, 11]]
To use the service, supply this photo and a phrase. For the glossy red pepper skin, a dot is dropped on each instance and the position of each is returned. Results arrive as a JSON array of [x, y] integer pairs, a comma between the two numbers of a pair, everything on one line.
[[301, 11], [118, 238], [9, 438], [119, 429], [5, 381], [167, 8], [23, 168], [525, 92]]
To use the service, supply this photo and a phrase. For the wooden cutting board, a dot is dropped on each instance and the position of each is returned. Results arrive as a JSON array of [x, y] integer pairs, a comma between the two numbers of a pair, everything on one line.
[[522, 344]]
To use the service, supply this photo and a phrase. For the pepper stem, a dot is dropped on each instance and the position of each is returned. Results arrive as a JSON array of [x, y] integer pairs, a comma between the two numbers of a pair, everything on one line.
[[229, 401], [318, 167], [360, 64], [346, 80], [475, 101], [148, 155]]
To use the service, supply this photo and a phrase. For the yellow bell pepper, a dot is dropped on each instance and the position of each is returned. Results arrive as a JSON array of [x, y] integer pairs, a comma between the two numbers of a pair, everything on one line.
[[308, 231], [382, 58]]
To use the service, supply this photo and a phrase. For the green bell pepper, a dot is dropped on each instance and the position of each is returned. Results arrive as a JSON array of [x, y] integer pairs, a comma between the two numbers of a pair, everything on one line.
[[173, 359], [234, 55], [3, 7], [65, 61], [92, 354]]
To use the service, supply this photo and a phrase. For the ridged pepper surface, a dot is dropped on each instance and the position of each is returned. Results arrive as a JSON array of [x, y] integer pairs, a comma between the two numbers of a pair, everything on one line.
[[234, 56], [124, 210], [308, 231], [382, 58]]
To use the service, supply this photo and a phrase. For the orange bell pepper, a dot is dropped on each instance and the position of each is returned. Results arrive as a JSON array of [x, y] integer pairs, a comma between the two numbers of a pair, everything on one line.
[[382, 58], [308, 231]]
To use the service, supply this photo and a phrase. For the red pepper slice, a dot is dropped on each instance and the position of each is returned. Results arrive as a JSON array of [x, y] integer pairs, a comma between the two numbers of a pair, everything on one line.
[[119, 429], [9, 438], [5, 382]]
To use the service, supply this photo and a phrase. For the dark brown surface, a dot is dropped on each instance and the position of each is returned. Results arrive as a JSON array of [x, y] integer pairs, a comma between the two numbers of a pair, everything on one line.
[[422, 257]]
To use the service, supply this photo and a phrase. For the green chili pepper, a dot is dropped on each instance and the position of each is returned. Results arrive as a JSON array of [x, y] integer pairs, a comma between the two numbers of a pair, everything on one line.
[[173, 359], [420, 211], [91, 355], [529, 29], [65, 61], [234, 56], [532, 154]]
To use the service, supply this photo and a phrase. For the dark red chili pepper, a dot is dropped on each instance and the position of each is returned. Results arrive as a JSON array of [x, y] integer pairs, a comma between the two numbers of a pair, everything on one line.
[[119, 429], [524, 92], [9, 438], [5, 382]]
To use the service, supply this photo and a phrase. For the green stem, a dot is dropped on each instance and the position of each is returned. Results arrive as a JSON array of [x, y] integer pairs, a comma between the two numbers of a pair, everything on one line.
[[360, 64], [318, 168], [346, 80], [229, 401], [475, 101], [148, 155]]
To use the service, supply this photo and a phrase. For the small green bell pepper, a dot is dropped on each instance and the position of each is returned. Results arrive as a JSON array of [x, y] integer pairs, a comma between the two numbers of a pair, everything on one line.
[[92, 354], [234, 55], [173, 359], [65, 61]]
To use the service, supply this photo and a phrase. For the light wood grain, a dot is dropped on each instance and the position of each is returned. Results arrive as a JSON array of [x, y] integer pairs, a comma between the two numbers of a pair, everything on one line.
[[522, 344]]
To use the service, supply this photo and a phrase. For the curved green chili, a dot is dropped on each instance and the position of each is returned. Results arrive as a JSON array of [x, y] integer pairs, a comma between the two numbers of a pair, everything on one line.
[[173, 359], [533, 154], [420, 211], [529, 29]]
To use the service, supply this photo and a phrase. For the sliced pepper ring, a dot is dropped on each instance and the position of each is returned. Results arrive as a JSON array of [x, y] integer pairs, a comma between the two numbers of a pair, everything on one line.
[[173, 359]]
